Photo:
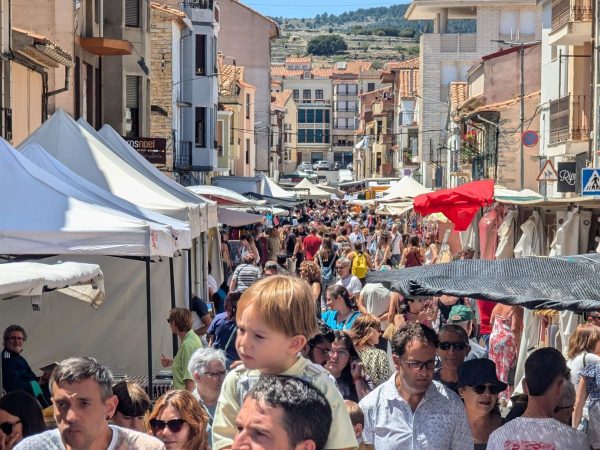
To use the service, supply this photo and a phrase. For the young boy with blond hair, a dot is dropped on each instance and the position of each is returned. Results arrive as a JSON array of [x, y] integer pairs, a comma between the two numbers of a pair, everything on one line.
[[276, 316], [357, 418]]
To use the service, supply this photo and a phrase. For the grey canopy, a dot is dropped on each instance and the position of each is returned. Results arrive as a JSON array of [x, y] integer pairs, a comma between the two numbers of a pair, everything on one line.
[[560, 283]]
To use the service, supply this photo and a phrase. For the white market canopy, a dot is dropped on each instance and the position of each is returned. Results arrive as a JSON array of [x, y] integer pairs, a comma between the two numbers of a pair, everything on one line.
[[272, 189], [237, 218], [91, 193], [125, 151], [308, 190], [407, 187], [82, 281], [90, 158], [39, 217], [509, 196], [222, 195]]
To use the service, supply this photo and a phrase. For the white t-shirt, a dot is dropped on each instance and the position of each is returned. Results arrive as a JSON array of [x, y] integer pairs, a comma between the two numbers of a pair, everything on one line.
[[376, 298], [352, 284], [212, 283], [577, 363], [524, 433]]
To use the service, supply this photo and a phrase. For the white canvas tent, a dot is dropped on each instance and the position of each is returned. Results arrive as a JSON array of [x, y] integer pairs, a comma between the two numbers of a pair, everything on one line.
[[222, 195], [236, 218], [272, 189], [125, 151], [82, 281], [407, 187], [40, 217], [86, 155], [96, 195], [310, 191]]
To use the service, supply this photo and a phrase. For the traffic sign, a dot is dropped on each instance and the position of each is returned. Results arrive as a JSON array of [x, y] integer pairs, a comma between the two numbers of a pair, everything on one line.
[[590, 182], [548, 172], [530, 138]]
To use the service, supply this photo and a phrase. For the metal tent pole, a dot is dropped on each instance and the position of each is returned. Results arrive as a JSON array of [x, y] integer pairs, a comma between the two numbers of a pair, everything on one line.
[[149, 325], [189, 268], [173, 302]]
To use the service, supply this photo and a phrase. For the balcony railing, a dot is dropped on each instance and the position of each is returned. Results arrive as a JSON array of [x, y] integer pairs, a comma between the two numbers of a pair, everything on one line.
[[182, 158], [569, 119], [458, 43], [564, 11]]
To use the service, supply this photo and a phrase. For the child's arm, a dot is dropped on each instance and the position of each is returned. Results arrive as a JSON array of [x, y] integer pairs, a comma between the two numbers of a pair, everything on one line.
[[224, 428]]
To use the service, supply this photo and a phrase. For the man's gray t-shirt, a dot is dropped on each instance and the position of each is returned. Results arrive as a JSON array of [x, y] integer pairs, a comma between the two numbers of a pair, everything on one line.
[[122, 439]]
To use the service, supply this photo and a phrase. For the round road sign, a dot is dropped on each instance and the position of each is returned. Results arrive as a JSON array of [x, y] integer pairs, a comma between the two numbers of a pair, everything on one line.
[[530, 138]]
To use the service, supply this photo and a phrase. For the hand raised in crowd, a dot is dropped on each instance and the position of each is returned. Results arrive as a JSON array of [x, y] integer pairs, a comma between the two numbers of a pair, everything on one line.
[[165, 361], [11, 442], [356, 369]]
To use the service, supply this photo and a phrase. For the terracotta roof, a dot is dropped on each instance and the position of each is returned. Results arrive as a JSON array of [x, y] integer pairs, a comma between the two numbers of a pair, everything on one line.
[[354, 67], [281, 71], [228, 76], [406, 64], [281, 98], [459, 92], [298, 60], [324, 72], [408, 83], [167, 9]]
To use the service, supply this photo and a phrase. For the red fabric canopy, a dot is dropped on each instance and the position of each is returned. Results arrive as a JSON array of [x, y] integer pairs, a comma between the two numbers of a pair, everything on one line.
[[459, 204]]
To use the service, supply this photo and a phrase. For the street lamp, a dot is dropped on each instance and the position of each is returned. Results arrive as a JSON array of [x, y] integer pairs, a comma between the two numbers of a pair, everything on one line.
[[521, 46]]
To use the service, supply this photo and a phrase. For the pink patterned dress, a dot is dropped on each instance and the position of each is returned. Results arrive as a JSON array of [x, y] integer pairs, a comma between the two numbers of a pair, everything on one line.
[[502, 351]]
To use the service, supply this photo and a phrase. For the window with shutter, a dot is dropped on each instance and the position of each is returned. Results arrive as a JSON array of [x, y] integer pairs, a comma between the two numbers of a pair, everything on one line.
[[132, 106], [132, 13]]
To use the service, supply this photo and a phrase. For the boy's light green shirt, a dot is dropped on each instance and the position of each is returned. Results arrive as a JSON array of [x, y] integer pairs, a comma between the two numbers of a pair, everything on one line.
[[239, 381]]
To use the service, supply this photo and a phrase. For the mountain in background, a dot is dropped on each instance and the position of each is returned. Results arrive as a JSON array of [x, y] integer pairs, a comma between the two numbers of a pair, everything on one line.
[[382, 21]]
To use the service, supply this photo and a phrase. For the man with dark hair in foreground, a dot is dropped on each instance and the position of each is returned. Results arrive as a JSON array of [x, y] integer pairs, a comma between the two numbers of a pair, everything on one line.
[[545, 373], [283, 412]]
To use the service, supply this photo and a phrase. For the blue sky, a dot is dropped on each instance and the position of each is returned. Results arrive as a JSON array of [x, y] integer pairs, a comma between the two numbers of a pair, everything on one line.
[[310, 8]]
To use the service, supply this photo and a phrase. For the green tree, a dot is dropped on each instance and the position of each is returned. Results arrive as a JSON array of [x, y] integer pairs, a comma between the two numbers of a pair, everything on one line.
[[326, 45]]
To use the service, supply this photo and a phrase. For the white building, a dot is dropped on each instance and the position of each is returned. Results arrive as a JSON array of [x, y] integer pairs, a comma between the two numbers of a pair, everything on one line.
[[446, 57]]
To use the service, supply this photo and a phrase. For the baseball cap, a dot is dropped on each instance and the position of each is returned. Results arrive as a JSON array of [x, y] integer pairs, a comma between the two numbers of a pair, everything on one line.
[[460, 313]]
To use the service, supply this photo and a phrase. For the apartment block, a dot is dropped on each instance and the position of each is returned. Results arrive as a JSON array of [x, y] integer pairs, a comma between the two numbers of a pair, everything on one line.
[[446, 57], [284, 130]]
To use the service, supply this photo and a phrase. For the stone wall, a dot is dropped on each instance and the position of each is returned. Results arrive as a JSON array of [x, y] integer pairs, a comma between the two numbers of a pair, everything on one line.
[[161, 85]]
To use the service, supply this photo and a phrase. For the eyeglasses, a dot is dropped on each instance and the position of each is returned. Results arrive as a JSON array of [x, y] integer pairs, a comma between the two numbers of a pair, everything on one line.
[[324, 351], [458, 346], [594, 317], [174, 425], [419, 365], [481, 388], [220, 374], [560, 408], [7, 427]]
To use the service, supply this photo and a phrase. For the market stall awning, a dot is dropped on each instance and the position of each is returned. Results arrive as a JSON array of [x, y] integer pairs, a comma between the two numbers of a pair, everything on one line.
[[310, 191], [237, 218], [525, 196], [566, 283], [272, 189], [274, 201], [458, 204], [222, 195], [82, 281], [407, 187], [394, 209]]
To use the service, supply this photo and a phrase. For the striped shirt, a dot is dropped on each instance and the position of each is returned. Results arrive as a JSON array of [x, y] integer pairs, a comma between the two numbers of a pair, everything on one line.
[[245, 274]]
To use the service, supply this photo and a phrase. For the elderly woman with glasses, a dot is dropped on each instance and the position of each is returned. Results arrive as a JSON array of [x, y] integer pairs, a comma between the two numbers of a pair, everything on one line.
[[207, 366], [179, 422], [479, 387], [365, 333]]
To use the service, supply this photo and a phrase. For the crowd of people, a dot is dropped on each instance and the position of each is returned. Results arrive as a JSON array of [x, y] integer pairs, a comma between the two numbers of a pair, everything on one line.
[[304, 353]]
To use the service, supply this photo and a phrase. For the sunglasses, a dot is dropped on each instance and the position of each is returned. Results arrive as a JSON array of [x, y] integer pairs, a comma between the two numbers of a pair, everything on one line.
[[325, 352], [481, 388], [7, 427], [455, 345], [174, 425]]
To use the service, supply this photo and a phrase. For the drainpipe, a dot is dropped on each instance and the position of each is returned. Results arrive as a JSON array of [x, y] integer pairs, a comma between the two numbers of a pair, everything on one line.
[[61, 90]]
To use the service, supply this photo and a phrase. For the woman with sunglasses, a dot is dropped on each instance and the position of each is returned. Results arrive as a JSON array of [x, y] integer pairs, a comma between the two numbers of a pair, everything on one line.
[[453, 348], [179, 422], [345, 366], [365, 333], [20, 417], [479, 387]]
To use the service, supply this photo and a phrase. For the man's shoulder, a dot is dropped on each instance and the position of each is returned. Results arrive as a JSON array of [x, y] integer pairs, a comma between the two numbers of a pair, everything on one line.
[[134, 440], [542, 430], [380, 394], [48, 440]]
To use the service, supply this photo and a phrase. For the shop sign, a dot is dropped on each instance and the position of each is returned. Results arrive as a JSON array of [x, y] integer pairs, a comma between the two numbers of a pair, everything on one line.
[[567, 172], [153, 149]]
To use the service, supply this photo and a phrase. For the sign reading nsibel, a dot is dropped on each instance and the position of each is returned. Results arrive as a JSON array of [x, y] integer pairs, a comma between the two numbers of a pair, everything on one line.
[[548, 172], [590, 182]]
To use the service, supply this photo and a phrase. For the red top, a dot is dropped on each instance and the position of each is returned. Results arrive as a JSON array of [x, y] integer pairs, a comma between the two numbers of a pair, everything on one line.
[[485, 314], [312, 243]]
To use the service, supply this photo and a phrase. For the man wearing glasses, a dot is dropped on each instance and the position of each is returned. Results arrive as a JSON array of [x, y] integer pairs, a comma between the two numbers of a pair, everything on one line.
[[352, 284], [16, 373], [419, 413]]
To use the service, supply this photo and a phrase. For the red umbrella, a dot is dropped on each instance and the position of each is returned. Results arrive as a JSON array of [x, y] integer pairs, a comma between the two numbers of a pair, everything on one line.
[[458, 204]]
